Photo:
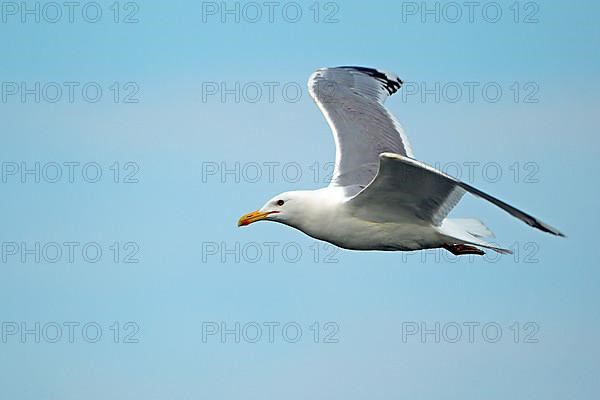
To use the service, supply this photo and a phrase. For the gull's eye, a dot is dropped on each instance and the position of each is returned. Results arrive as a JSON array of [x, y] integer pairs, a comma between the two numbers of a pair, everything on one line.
[[280, 202]]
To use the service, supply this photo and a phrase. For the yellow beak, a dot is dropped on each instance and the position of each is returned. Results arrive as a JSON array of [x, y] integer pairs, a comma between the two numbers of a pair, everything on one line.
[[253, 217]]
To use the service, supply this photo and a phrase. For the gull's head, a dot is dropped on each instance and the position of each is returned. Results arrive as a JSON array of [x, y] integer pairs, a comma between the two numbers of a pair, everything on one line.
[[287, 208]]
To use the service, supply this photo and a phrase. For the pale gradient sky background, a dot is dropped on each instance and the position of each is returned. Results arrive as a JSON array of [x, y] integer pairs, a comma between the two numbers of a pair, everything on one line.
[[171, 134]]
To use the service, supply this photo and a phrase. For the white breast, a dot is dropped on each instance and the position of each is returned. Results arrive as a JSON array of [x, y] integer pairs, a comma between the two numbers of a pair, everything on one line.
[[328, 219]]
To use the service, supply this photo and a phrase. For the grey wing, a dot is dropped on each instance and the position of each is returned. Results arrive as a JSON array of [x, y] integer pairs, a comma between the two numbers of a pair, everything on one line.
[[351, 99], [408, 190]]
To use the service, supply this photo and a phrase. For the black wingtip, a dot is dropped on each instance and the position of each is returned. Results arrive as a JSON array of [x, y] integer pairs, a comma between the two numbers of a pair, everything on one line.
[[547, 228], [560, 234], [389, 81], [515, 212]]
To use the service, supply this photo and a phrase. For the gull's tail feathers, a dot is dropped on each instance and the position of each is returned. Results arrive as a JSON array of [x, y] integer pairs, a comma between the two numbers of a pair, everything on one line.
[[468, 231]]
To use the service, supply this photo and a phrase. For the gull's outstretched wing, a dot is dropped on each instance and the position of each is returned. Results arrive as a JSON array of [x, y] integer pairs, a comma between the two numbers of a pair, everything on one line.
[[408, 190], [351, 98]]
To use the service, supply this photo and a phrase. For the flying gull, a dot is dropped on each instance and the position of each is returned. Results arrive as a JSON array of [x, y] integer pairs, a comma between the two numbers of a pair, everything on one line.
[[380, 197]]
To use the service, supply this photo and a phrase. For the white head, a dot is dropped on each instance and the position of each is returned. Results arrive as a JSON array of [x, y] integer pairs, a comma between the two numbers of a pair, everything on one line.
[[288, 208]]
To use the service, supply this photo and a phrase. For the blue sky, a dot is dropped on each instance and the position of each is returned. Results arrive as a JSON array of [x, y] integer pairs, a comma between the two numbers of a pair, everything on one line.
[[175, 223]]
